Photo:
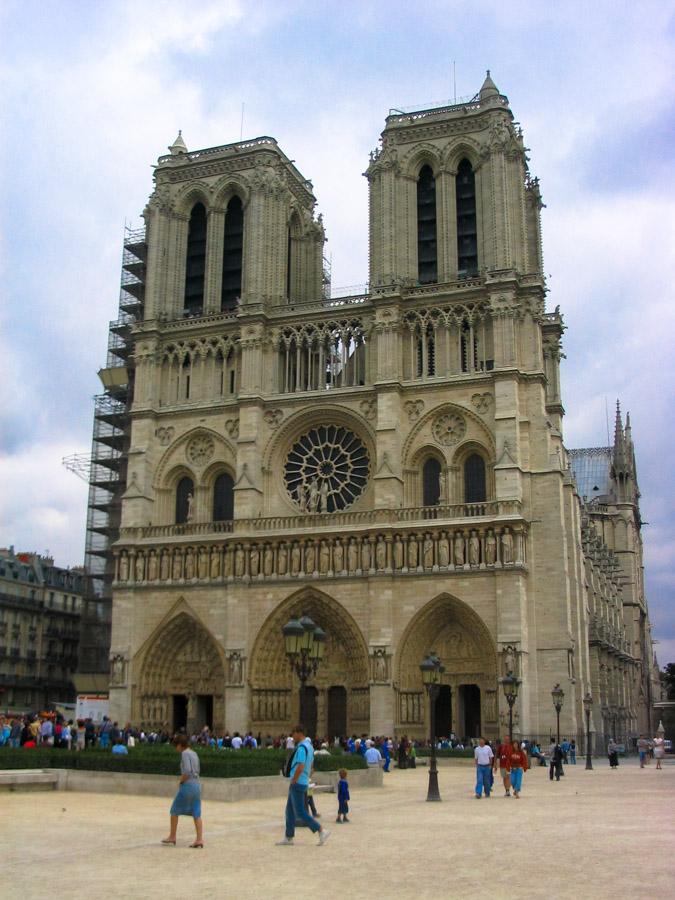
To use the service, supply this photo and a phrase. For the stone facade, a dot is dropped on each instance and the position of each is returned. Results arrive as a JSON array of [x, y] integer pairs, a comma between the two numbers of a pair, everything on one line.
[[391, 464]]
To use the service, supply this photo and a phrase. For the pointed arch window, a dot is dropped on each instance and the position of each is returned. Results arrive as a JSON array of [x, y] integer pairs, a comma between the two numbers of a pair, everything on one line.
[[223, 498], [233, 245], [195, 261], [427, 253], [467, 234], [184, 498], [431, 482], [475, 488]]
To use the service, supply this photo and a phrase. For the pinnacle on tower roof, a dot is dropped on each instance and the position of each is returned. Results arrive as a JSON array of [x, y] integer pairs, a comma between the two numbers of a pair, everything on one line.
[[178, 145], [489, 88], [619, 454]]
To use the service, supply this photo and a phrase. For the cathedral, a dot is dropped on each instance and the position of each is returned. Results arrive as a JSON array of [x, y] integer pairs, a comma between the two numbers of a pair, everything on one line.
[[389, 464]]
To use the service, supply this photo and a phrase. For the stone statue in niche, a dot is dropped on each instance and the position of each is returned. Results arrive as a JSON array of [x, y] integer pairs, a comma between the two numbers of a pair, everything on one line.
[[282, 559], [314, 495], [459, 549], [177, 567], [152, 566], [510, 658], [398, 552], [507, 547], [352, 556], [190, 508], [203, 565], [474, 549], [254, 561], [338, 556], [117, 669], [235, 667], [268, 560], [443, 551], [214, 569], [239, 561], [189, 564], [310, 558], [323, 496], [303, 496], [381, 554], [324, 557], [412, 552], [490, 549], [365, 555], [295, 559], [164, 566], [227, 562], [124, 567], [443, 488], [380, 664], [428, 551], [139, 567]]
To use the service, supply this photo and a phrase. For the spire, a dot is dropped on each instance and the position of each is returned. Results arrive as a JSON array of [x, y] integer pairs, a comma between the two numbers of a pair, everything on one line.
[[178, 145], [489, 88], [618, 431]]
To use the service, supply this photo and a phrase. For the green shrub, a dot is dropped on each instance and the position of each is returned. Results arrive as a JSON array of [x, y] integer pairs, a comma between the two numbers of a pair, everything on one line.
[[447, 754], [164, 760]]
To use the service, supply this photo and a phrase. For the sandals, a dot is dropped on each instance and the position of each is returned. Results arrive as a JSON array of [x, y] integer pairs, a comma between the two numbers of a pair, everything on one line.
[[197, 846], [169, 841]]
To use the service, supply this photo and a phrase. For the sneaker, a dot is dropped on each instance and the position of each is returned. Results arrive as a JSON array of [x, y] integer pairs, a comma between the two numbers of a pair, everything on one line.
[[285, 843], [477, 796], [346, 820], [338, 821], [324, 834], [507, 793]]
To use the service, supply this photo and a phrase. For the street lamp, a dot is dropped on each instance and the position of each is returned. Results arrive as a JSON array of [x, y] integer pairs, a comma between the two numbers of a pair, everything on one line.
[[558, 696], [588, 706], [305, 645], [510, 685], [432, 669]]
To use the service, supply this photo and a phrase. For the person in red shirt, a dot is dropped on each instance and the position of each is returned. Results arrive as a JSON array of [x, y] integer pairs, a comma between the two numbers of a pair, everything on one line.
[[517, 766], [502, 759]]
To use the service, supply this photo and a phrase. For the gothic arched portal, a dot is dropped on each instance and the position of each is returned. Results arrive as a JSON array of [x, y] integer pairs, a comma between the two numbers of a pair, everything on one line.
[[341, 680], [467, 700], [182, 680]]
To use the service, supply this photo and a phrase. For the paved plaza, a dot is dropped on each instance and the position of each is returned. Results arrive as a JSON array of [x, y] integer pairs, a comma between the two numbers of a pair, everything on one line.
[[598, 834]]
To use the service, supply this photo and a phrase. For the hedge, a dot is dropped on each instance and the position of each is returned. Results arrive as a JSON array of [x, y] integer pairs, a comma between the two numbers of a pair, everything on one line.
[[446, 754], [164, 761]]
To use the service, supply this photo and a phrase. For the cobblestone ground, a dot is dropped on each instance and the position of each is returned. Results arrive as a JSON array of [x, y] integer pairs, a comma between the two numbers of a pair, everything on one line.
[[597, 834]]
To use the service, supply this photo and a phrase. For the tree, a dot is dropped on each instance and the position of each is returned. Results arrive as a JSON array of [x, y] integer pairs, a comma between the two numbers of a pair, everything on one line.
[[668, 680]]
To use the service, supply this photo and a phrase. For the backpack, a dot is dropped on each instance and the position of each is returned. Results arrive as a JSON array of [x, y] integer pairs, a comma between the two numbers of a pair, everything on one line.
[[290, 759]]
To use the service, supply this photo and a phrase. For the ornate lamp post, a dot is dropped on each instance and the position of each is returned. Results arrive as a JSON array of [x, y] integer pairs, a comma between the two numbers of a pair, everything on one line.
[[588, 706], [510, 686], [305, 644], [432, 670], [558, 696]]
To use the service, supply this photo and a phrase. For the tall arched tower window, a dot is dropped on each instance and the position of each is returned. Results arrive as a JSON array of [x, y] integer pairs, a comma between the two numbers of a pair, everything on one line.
[[184, 494], [431, 482], [427, 254], [475, 490], [223, 498], [196, 260], [467, 234], [233, 245]]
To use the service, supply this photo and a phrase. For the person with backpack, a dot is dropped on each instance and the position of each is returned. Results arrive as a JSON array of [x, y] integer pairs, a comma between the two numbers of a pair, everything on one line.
[[298, 768]]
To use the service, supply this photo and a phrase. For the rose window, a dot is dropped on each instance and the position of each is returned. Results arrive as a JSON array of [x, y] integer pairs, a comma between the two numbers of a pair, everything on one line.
[[449, 429], [327, 469]]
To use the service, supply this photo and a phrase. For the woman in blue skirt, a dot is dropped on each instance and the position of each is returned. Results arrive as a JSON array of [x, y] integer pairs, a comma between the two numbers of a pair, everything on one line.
[[188, 800]]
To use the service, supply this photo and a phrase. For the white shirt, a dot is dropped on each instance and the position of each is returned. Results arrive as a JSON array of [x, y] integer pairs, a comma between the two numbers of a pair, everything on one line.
[[290, 743], [373, 756], [483, 755], [236, 743]]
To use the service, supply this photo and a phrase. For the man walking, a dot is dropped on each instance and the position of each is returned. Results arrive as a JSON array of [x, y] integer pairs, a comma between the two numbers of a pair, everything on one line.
[[301, 766], [643, 750], [483, 757]]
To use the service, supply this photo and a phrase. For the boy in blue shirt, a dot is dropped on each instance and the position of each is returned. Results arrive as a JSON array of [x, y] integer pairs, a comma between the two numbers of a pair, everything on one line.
[[343, 797]]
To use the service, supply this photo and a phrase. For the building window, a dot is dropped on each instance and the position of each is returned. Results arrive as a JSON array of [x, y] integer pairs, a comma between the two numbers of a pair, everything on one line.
[[426, 353], [467, 236], [431, 482], [223, 498], [184, 495], [427, 258], [196, 261], [474, 479], [233, 245]]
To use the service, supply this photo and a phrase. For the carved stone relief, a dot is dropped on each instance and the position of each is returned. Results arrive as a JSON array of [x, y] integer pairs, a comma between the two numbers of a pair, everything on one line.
[[200, 449], [414, 409], [449, 428], [164, 435]]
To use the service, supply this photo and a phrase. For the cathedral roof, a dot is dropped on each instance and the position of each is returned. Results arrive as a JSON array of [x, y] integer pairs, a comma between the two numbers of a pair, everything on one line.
[[592, 471]]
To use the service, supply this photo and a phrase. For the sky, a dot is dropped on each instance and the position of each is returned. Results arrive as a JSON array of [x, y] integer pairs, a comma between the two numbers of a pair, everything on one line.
[[92, 93]]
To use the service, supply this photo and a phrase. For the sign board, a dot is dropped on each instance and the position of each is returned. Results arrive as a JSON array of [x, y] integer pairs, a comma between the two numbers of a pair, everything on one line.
[[91, 706]]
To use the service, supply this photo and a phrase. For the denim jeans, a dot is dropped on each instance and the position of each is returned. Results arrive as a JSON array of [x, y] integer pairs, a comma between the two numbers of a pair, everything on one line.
[[483, 780], [516, 779], [295, 809]]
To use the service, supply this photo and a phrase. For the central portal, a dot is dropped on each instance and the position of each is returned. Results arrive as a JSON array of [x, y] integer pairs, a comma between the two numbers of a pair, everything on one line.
[[444, 711]]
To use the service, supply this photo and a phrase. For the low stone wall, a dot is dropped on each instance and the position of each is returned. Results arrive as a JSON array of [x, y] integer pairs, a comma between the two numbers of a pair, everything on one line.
[[226, 790]]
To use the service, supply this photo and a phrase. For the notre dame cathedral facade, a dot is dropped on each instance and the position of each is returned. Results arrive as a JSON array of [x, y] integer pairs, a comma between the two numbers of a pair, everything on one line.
[[391, 464]]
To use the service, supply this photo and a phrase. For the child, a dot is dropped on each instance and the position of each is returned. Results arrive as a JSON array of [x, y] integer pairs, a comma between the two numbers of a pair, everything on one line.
[[343, 797]]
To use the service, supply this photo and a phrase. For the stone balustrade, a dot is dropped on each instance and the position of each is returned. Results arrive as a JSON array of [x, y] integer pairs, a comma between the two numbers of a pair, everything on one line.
[[413, 550]]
